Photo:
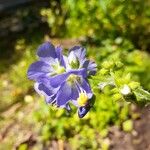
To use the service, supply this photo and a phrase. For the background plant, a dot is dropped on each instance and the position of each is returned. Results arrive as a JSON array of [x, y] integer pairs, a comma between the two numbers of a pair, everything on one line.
[[115, 34], [98, 20]]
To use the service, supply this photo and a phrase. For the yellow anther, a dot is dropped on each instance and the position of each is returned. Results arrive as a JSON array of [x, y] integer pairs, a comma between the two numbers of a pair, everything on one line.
[[82, 99]]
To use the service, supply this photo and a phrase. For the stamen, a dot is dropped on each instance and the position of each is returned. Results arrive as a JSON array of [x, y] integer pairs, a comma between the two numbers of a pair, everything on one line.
[[72, 79], [82, 99]]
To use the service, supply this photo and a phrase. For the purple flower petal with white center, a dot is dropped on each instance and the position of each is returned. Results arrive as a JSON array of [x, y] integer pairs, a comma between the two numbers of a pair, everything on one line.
[[62, 79], [70, 92], [59, 79], [51, 62], [77, 59], [48, 53]]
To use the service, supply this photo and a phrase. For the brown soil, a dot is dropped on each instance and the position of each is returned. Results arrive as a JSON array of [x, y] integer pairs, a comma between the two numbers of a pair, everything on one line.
[[138, 139]]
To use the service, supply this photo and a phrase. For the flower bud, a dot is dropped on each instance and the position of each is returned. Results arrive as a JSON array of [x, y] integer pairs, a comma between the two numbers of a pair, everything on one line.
[[125, 90], [127, 94]]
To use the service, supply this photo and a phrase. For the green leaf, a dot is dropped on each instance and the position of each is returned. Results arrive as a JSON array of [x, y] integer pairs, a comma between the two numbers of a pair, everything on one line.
[[143, 96]]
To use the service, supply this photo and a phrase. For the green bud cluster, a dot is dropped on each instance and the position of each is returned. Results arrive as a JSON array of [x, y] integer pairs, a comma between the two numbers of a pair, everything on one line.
[[121, 85]]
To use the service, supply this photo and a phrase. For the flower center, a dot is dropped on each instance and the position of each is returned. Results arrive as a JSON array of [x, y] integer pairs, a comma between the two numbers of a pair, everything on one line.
[[82, 99], [72, 78], [58, 69], [74, 64]]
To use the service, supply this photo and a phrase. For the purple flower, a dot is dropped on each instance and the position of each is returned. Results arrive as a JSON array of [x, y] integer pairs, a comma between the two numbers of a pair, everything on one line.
[[51, 62], [63, 79], [77, 59]]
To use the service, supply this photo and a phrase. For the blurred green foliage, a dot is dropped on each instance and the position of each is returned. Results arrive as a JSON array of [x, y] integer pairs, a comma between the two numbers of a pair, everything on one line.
[[98, 20], [121, 29]]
